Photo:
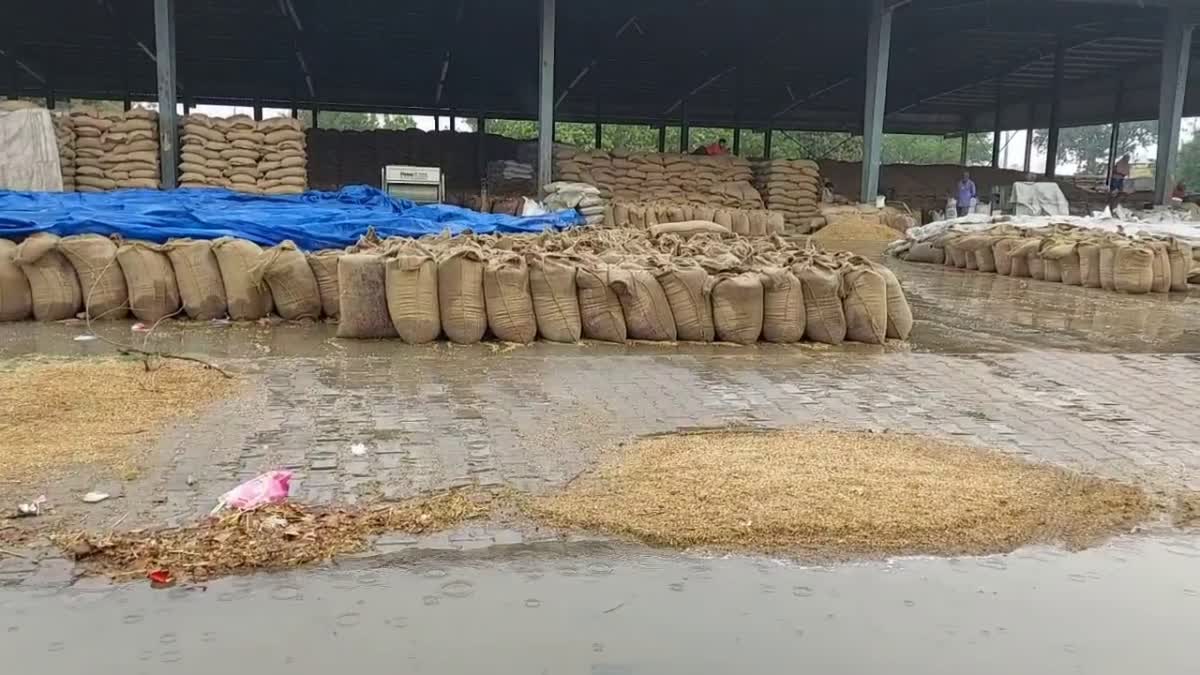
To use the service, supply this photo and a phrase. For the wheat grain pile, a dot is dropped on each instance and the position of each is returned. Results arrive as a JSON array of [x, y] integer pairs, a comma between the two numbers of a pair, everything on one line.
[[64, 414], [839, 494]]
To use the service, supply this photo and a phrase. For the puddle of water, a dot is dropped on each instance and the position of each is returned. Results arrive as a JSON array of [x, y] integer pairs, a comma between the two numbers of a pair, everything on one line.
[[1131, 605]]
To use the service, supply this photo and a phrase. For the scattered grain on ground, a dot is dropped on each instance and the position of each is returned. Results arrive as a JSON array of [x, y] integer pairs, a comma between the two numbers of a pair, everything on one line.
[[857, 230], [273, 537], [830, 494], [58, 415], [1187, 510]]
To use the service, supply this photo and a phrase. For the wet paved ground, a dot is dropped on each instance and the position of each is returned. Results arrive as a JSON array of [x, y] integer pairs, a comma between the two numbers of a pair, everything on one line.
[[1080, 378]]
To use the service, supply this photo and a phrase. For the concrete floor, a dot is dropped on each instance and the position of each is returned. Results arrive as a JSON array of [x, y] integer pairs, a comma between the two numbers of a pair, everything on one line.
[[1080, 378]]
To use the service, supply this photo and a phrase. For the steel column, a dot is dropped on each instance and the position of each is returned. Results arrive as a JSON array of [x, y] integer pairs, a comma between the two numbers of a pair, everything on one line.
[[546, 96], [168, 124], [662, 138], [1177, 47], [879, 45], [966, 137], [685, 131], [1060, 57], [1029, 140], [316, 123], [997, 133], [737, 141], [767, 143], [258, 112], [599, 134], [1114, 141]]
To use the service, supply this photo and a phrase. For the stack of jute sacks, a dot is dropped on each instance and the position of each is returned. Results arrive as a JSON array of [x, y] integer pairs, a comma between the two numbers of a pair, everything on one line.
[[116, 151], [64, 134], [1064, 254], [609, 285], [792, 187], [508, 177], [239, 153], [628, 176], [746, 222]]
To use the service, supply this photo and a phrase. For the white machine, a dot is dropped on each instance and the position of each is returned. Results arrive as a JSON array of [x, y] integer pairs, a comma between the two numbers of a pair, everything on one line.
[[420, 184]]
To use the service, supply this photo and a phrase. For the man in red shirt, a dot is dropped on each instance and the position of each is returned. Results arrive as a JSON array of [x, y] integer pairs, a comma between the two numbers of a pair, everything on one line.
[[718, 148]]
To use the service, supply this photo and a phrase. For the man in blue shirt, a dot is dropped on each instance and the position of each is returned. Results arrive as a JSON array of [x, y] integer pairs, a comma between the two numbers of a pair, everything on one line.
[[966, 193]]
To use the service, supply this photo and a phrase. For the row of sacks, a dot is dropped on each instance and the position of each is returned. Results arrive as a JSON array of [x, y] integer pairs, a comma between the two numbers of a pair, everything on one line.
[[614, 286], [1065, 254], [746, 222], [50, 278], [609, 285]]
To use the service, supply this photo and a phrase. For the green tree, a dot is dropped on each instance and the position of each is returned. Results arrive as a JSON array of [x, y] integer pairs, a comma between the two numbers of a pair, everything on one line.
[[1087, 147], [1188, 167], [398, 122]]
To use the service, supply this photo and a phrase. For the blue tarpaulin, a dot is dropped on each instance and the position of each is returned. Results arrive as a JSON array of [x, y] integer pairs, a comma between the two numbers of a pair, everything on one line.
[[313, 220]]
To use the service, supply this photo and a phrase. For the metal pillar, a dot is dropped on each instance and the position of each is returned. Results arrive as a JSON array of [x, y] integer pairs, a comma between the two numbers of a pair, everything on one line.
[[1114, 140], [997, 133], [258, 112], [295, 112], [1177, 47], [1060, 57], [546, 96], [437, 122], [599, 134], [1029, 140], [966, 138], [662, 138], [168, 125], [879, 45], [316, 123], [737, 140], [767, 143], [685, 131]]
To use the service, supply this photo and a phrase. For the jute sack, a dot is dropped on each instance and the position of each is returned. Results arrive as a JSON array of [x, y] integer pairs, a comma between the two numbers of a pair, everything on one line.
[[508, 299], [1180, 257], [1133, 271], [555, 298], [899, 313], [865, 303], [285, 271], [687, 228], [600, 313], [825, 318], [362, 297], [105, 295], [247, 300], [1019, 254], [1089, 263], [737, 302], [53, 286], [647, 311], [324, 265], [199, 277], [689, 291], [783, 306], [150, 278], [1108, 264], [1002, 254], [16, 301], [1063, 255], [460, 295], [1162, 267], [412, 295], [979, 246], [926, 252]]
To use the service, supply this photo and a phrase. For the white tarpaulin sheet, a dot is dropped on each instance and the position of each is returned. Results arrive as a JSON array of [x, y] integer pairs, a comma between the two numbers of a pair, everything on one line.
[[29, 152], [1039, 199]]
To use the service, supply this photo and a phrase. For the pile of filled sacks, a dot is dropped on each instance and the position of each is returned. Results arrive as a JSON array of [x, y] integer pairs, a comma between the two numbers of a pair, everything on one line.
[[645, 215], [609, 285], [239, 153], [1065, 254]]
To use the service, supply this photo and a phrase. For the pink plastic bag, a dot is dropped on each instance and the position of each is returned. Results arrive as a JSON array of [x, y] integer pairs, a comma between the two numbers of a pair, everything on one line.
[[271, 487]]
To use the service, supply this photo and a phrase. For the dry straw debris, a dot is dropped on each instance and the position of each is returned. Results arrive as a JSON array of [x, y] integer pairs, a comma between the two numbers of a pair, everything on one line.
[[830, 494], [63, 414], [273, 537]]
